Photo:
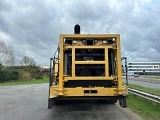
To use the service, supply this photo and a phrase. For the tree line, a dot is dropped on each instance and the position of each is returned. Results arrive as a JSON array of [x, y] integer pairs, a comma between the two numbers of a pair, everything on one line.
[[12, 69], [7, 57]]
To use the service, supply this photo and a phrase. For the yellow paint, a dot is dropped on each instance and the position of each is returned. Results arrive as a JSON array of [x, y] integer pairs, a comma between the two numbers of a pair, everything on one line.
[[60, 90], [79, 91]]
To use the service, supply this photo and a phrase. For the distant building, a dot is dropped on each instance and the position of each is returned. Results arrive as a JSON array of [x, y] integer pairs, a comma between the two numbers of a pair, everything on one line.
[[150, 68], [45, 66]]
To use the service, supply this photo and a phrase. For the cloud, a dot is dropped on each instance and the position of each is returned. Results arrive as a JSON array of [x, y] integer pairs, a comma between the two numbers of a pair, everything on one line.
[[34, 26]]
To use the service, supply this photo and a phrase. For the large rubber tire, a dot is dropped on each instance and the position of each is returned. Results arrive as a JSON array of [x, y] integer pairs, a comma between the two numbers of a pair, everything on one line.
[[123, 102]]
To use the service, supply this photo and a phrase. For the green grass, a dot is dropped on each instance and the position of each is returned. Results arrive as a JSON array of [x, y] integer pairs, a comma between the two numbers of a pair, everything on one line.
[[24, 82], [145, 108], [154, 77], [145, 89]]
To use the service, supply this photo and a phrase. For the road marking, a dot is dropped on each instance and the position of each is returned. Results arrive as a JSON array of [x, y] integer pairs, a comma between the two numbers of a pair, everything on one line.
[[38, 89], [27, 90]]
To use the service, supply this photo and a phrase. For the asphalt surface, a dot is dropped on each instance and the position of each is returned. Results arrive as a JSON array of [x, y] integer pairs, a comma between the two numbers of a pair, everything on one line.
[[146, 82], [29, 102]]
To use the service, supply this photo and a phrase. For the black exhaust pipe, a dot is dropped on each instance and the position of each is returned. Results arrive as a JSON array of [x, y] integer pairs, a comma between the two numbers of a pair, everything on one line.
[[77, 29]]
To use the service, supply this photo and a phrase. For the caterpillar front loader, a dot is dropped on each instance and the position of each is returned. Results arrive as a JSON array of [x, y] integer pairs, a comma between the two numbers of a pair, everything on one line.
[[87, 67]]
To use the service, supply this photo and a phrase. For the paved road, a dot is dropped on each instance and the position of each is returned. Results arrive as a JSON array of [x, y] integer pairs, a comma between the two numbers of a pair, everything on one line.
[[146, 82], [29, 102]]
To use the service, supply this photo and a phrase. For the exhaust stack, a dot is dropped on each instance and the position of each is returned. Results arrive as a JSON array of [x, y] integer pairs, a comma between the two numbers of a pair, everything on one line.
[[77, 29]]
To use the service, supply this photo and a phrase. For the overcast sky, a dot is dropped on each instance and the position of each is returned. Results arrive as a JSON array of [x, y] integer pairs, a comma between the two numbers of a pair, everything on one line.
[[32, 27]]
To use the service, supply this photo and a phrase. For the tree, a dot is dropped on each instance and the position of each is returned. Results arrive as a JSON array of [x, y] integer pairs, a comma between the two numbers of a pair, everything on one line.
[[6, 54], [1, 66], [27, 61]]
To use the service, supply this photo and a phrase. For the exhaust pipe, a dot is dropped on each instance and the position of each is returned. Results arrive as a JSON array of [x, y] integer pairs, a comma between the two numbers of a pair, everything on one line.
[[77, 29]]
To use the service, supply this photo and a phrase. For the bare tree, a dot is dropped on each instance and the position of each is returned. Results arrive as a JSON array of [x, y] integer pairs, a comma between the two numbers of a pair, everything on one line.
[[6, 54], [27, 61], [1, 66]]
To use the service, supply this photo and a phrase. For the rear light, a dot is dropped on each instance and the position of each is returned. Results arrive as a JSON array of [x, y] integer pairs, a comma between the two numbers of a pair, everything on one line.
[[104, 41], [74, 41], [113, 39], [95, 41], [83, 41]]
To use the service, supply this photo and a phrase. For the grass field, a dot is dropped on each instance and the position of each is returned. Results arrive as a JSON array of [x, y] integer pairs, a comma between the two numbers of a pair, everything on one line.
[[145, 89], [145, 108], [45, 79], [154, 77]]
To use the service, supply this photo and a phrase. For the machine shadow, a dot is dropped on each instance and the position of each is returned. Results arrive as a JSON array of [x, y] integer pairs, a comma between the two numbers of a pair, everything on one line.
[[68, 106]]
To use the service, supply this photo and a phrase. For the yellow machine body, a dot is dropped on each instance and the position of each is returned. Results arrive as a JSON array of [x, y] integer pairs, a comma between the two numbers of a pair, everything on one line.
[[88, 67]]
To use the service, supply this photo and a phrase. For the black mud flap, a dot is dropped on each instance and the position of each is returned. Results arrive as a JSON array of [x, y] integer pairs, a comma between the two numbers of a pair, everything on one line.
[[50, 103], [123, 102]]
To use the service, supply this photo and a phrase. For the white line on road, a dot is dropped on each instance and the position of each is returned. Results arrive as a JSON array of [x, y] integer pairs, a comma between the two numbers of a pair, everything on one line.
[[38, 89]]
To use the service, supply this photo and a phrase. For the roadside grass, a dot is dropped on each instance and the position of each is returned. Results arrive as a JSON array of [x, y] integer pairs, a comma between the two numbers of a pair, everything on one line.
[[154, 77], [145, 108], [45, 79], [145, 89]]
